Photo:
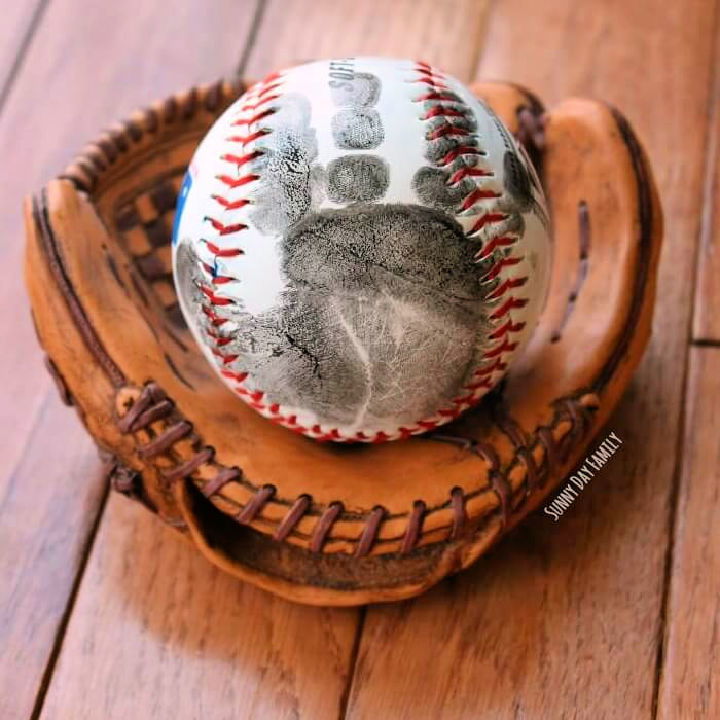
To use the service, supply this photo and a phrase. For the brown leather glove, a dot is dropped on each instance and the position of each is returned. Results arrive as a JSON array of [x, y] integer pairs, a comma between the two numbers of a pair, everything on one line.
[[322, 523]]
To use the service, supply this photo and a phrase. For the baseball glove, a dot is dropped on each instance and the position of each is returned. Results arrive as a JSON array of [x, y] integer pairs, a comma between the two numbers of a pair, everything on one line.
[[323, 523]]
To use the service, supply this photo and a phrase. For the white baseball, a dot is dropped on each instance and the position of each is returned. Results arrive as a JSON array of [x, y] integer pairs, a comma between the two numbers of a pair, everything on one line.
[[360, 248]]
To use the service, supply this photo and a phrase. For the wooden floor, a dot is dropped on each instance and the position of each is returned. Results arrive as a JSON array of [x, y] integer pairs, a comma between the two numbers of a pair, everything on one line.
[[612, 612]]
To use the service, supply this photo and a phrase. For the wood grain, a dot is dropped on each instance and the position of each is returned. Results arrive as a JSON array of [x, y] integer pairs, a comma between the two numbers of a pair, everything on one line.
[[562, 620], [18, 21], [292, 32], [88, 64], [561, 613], [162, 633], [706, 320], [131, 642], [49, 501], [689, 687]]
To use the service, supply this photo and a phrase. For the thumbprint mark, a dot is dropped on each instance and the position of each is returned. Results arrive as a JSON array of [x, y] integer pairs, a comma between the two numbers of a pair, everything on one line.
[[357, 129], [357, 178]]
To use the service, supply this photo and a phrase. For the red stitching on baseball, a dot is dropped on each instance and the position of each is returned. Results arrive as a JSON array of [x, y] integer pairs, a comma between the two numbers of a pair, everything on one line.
[[506, 327], [427, 69], [487, 219], [232, 375], [247, 139], [494, 271], [225, 229], [260, 103], [271, 77], [225, 359], [222, 252], [507, 285], [478, 194], [262, 94], [228, 204], [479, 384], [505, 346], [214, 277], [496, 366], [447, 130], [451, 413], [455, 153], [254, 118], [443, 111], [334, 434], [215, 299], [440, 97], [255, 396], [427, 79], [464, 172], [237, 182], [215, 319], [494, 244], [258, 95], [240, 160], [434, 79], [511, 303]]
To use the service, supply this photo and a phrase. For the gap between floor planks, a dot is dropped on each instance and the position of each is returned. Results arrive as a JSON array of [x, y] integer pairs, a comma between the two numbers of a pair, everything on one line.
[[50, 491], [522, 665], [421, 21]]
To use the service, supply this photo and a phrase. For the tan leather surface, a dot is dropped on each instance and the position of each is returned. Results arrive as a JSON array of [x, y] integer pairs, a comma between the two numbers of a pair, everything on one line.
[[567, 380]]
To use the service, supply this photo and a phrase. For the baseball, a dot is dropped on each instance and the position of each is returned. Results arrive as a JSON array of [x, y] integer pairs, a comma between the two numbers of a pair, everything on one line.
[[360, 248]]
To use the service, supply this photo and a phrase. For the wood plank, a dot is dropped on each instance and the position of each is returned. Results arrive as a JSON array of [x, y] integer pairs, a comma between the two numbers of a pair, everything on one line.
[[43, 543], [689, 687], [291, 32], [88, 64], [235, 651], [157, 627], [562, 612], [706, 320], [20, 18]]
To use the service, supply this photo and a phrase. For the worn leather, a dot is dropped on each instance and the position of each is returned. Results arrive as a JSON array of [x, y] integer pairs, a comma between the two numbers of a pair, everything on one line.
[[319, 522]]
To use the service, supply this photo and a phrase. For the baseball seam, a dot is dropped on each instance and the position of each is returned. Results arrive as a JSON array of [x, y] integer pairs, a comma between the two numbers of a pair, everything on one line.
[[439, 106], [447, 105]]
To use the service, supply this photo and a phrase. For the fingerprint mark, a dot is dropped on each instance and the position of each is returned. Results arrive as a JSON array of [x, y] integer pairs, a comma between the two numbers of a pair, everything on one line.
[[433, 190], [518, 181], [363, 90], [357, 129], [288, 167], [357, 178], [368, 287]]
